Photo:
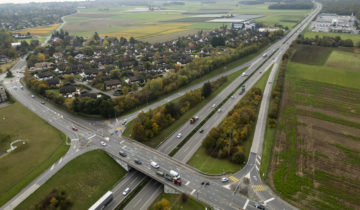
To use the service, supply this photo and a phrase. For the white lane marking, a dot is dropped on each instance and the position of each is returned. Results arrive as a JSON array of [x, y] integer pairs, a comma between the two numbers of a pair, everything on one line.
[[188, 182], [74, 139], [92, 136], [60, 160], [259, 157], [257, 161], [268, 200], [123, 147], [246, 203], [122, 141], [192, 192], [52, 167], [257, 168]]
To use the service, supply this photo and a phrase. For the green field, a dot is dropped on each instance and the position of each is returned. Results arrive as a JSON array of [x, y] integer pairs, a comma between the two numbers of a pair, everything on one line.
[[340, 59], [44, 145], [115, 20], [84, 179], [354, 37], [177, 204], [314, 153], [210, 165]]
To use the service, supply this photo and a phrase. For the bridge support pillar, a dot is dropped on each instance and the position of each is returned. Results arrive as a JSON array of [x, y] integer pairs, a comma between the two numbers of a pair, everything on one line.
[[121, 163], [170, 190]]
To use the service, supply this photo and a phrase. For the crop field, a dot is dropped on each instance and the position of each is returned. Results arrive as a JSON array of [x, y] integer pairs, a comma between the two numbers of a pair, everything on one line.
[[348, 60], [174, 21], [40, 31], [316, 157], [43, 146], [84, 180]]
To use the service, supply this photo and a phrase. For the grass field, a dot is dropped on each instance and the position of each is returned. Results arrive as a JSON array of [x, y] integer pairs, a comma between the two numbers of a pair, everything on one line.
[[348, 60], [316, 153], [210, 165], [40, 31], [44, 145], [115, 20], [354, 37], [177, 204], [6, 66], [84, 179]]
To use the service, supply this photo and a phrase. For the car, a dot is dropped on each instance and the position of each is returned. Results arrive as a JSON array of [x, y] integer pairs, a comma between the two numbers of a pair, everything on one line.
[[219, 110], [159, 173], [22, 87], [32, 96], [103, 143], [126, 191], [42, 102], [213, 106], [244, 74], [224, 179], [74, 128], [122, 154], [123, 123], [201, 131], [154, 164], [179, 135], [138, 161], [259, 206], [232, 97]]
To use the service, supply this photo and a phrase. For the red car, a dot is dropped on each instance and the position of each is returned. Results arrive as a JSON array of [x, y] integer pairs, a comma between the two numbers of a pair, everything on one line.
[[74, 129], [177, 181]]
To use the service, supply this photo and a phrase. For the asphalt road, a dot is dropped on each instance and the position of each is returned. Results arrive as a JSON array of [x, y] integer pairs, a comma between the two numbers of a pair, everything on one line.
[[215, 194]]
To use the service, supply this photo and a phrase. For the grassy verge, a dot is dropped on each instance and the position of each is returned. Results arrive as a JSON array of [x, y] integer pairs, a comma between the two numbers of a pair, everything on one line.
[[44, 146], [207, 164], [184, 118], [6, 66], [84, 179], [177, 203]]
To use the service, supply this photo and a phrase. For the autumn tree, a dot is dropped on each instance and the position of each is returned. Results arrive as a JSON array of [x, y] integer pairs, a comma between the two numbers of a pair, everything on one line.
[[206, 89], [163, 204]]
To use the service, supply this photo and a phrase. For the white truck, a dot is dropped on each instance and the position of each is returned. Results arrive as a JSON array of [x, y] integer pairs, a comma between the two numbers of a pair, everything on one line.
[[174, 174]]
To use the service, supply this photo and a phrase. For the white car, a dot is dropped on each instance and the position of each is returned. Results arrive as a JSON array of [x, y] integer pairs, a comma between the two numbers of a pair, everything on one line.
[[126, 191], [219, 110], [179, 135], [213, 106], [224, 179], [32, 96], [154, 164], [232, 97], [103, 143], [244, 74]]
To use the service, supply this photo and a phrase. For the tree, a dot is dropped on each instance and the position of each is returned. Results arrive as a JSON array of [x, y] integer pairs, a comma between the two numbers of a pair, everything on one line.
[[138, 131], [96, 36], [206, 89], [41, 56], [134, 86], [163, 204], [9, 74], [69, 78]]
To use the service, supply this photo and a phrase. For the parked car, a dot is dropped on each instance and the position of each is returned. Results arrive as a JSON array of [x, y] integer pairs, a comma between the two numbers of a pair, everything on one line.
[[122, 154], [126, 191], [103, 143]]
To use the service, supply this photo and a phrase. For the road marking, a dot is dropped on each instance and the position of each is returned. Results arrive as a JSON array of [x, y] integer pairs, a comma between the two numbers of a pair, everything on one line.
[[268, 200], [259, 187], [192, 192], [92, 136], [122, 141], [187, 183], [259, 157], [257, 168], [246, 203], [234, 179], [74, 139], [52, 167], [257, 161], [60, 160]]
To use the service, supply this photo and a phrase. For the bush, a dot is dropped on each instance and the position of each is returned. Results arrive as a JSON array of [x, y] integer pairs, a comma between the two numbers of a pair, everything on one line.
[[184, 197], [163, 204]]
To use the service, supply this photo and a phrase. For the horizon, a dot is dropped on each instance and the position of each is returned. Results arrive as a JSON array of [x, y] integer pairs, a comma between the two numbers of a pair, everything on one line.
[[34, 1]]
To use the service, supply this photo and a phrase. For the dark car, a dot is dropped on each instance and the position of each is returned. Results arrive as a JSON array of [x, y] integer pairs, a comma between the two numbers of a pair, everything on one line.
[[259, 206], [42, 102], [123, 154], [201, 131], [137, 161]]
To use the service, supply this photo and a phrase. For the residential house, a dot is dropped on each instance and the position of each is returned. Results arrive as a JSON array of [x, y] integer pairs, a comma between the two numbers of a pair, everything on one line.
[[112, 84], [42, 66], [53, 82], [44, 75], [68, 91]]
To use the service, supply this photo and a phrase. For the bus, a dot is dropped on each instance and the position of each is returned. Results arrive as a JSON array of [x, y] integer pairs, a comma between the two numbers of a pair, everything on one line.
[[103, 201]]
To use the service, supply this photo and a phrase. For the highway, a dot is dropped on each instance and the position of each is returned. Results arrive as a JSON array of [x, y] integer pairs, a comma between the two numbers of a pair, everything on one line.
[[89, 136]]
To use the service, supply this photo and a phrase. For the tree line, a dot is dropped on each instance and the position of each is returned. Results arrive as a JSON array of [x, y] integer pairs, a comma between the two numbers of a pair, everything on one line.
[[149, 124], [343, 7], [326, 41], [293, 5], [227, 139]]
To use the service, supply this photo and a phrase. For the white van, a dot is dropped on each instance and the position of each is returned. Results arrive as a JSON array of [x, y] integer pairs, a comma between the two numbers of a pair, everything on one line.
[[154, 164], [174, 174]]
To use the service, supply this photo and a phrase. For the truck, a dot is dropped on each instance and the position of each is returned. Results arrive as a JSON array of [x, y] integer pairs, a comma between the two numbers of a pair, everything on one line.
[[194, 119], [174, 174], [242, 90]]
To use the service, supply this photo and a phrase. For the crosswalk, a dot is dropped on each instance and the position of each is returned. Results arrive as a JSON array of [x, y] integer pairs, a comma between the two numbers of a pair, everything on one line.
[[259, 187], [234, 179]]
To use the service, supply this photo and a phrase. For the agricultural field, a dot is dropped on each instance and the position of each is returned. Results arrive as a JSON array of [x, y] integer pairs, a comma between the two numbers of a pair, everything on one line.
[[40, 31], [354, 37], [43, 146], [315, 160], [170, 23], [84, 180]]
